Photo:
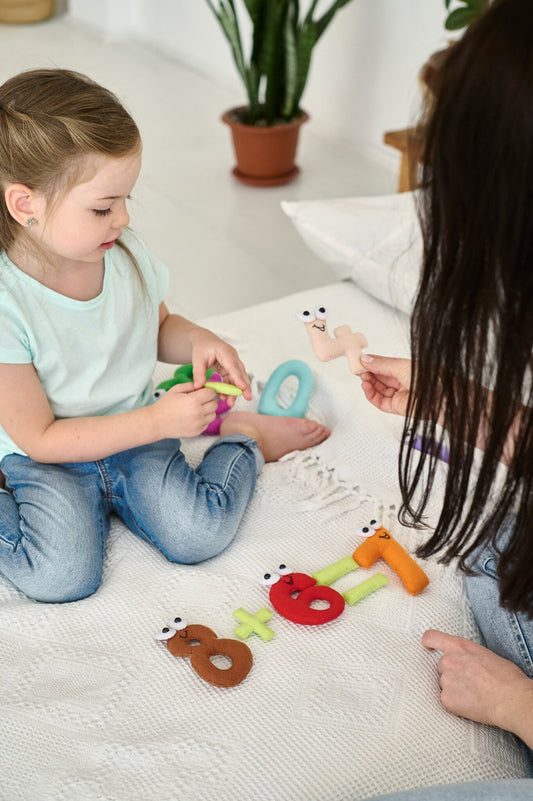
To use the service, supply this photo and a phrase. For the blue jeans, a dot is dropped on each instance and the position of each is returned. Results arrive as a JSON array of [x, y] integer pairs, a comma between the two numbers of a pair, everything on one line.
[[55, 518], [508, 634]]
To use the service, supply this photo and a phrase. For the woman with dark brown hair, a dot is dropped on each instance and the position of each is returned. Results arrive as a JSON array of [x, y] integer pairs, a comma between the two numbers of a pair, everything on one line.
[[469, 383]]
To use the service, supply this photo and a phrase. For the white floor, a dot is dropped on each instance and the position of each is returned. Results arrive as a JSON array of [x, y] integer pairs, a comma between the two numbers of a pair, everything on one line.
[[227, 245]]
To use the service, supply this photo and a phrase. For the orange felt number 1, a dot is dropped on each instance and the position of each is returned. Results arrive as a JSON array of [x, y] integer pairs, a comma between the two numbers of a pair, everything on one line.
[[381, 544]]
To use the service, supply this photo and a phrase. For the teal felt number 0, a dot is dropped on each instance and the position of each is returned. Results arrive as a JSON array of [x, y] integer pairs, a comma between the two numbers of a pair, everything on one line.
[[268, 403]]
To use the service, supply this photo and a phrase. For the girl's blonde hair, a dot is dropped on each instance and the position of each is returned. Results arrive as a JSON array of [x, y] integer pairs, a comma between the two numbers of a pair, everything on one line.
[[51, 120]]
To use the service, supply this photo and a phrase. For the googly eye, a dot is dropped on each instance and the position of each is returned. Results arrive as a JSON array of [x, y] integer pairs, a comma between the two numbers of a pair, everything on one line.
[[305, 316], [321, 313], [283, 570], [178, 624], [268, 579], [158, 393], [365, 531], [165, 634], [374, 524]]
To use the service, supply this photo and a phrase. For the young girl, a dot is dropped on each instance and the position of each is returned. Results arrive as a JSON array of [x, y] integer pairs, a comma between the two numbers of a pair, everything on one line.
[[472, 349], [83, 322]]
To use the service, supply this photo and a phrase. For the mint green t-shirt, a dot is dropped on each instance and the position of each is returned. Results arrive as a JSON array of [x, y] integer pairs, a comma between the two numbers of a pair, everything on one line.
[[93, 357]]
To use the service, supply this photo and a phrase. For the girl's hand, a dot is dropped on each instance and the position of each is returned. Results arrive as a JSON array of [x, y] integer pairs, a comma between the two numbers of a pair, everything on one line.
[[386, 383], [480, 685], [184, 411], [181, 342], [209, 351]]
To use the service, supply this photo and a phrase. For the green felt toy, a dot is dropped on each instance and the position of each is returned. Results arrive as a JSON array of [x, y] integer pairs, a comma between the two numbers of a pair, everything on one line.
[[184, 375], [223, 389]]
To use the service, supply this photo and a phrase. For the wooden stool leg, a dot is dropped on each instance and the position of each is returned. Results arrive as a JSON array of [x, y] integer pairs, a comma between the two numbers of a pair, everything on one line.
[[408, 145], [404, 179]]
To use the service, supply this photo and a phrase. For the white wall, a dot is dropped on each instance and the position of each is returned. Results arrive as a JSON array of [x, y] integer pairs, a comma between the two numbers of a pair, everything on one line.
[[115, 19], [363, 78]]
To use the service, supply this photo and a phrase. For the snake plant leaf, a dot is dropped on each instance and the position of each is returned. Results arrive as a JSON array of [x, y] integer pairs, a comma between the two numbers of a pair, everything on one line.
[[273, 57], [254, 9], [265, 33], [306, 42], [326, 18], [460, 18], [289, 108], [309, 35], [230, 26], [254, 79], [311, 10], [257, 12]]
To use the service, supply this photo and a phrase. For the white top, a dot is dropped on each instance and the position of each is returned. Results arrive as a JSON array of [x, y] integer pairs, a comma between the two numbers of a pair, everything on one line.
[[93, 357]]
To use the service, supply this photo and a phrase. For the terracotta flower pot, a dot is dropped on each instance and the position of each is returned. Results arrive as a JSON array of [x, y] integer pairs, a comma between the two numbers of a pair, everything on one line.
[[266, 153], [22, 11]]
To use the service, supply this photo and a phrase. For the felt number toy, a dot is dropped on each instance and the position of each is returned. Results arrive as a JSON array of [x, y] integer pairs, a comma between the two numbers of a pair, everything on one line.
[[292, 594], [343, 343], [200, 643], [379, 543], [268, 402], [183, 375]]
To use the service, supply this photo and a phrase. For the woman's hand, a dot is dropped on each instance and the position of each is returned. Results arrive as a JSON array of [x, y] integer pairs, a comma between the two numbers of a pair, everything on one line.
[[184, 411], [386, 382], [480, 685], [209, 351]]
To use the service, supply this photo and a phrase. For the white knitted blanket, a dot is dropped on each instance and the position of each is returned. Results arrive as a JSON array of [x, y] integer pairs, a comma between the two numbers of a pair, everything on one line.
[[95, 709]]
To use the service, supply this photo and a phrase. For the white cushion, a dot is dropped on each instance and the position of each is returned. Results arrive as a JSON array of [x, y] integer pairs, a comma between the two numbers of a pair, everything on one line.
[[374, 241]]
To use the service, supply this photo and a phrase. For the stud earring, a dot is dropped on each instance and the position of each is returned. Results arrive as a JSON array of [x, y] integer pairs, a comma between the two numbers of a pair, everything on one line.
[[31, 221]]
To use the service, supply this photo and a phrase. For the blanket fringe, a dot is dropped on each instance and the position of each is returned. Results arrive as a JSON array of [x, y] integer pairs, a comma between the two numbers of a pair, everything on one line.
[[320, 486]]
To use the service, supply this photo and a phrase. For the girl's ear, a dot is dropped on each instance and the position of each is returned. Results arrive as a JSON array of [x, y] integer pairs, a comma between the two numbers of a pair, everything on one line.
[[21, 203]]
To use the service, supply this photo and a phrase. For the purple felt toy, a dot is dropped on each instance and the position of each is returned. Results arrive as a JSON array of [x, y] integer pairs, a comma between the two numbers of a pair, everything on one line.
[[222, 408]]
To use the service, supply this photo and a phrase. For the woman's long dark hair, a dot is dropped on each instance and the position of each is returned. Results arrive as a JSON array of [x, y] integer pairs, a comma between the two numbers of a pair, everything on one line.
[[472, 326]]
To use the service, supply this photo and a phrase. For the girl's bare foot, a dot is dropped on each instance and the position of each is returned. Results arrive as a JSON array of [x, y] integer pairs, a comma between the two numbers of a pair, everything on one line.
[[276, 436]]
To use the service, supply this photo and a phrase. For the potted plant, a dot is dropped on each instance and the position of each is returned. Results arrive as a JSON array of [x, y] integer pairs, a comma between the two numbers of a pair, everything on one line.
[[274, 70], [462, 17]]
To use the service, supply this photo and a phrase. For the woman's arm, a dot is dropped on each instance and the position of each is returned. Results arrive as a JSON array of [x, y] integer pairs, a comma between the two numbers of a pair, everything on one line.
[[26, 416], [386, 384], [481, 686], [182, 342]]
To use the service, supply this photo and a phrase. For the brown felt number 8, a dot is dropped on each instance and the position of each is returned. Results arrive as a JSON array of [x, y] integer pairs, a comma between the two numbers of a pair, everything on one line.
[[200, 643]]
